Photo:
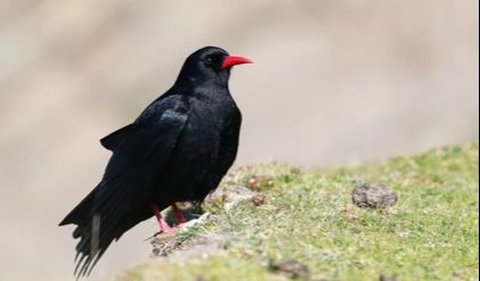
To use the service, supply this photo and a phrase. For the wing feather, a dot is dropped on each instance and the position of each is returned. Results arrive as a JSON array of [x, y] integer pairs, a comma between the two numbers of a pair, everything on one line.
[[116, 203]]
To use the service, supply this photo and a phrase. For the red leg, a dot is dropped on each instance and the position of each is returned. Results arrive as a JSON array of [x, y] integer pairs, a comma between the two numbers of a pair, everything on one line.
[[179, 216], [164, 227]]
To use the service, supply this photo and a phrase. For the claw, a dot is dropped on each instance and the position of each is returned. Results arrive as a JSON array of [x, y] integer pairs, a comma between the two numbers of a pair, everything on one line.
[[162, 223], [164, 226]]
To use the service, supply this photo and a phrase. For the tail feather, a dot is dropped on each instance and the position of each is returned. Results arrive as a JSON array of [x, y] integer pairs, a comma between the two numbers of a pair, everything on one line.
[[96, 236], [102, 217], [117, 203], [94, 241]]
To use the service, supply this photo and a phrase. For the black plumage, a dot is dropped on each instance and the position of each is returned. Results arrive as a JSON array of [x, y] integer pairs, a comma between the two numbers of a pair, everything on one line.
[[178, 149]]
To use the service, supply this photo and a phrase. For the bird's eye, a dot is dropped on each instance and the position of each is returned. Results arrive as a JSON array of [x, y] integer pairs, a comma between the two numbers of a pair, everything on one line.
[[209, 60]]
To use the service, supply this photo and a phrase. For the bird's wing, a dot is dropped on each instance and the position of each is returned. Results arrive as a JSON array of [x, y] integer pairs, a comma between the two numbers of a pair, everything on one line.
[[113, 140], [126, 186]]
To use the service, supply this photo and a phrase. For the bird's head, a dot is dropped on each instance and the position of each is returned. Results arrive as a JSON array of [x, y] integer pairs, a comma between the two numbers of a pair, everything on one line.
[[209, 65]]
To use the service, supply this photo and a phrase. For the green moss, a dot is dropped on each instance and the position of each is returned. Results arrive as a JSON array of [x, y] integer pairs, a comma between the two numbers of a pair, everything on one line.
[[431, 234]]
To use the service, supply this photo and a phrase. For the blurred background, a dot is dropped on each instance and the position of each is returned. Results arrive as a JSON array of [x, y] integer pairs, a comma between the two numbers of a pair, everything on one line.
[[334, 82]]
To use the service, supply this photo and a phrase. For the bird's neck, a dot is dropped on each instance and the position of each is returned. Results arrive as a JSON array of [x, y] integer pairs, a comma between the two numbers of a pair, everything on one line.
[[186, 79], [212, 93], [204, 91]]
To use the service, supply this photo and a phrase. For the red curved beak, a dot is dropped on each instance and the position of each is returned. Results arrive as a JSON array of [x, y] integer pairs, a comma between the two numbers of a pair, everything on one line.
[[234, 60]]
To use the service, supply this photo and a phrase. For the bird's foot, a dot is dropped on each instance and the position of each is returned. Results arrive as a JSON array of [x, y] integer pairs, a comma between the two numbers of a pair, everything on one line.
[[171, 229], [168, 229], [164, 226]]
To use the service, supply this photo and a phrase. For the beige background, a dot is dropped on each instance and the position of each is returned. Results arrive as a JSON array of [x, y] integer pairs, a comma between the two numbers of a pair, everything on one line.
[[335, 82]]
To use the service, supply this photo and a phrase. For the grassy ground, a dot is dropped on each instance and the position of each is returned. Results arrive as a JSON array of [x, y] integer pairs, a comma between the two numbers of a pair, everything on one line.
[[430, 234]]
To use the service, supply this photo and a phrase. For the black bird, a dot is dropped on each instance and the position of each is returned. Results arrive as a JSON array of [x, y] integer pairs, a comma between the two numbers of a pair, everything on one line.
[[178, 149]]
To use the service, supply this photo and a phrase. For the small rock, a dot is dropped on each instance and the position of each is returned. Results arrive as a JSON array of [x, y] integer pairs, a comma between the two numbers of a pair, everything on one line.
[[258, 199], [373, 196], [292, 269]]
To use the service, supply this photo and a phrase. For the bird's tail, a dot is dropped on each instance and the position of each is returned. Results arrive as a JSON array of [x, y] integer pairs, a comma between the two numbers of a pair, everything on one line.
[[96, 228], [93, 240], [102, 217]]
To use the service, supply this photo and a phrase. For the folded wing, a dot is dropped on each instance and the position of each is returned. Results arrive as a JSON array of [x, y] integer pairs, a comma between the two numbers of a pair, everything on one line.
[[121, 199]]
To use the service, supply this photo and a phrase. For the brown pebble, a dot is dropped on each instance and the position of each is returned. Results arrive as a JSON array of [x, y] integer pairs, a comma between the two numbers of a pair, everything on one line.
[[373, 196], [258, 199]]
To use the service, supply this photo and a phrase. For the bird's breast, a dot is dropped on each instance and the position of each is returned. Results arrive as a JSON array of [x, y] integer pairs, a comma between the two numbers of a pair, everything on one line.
[[204, 152]]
